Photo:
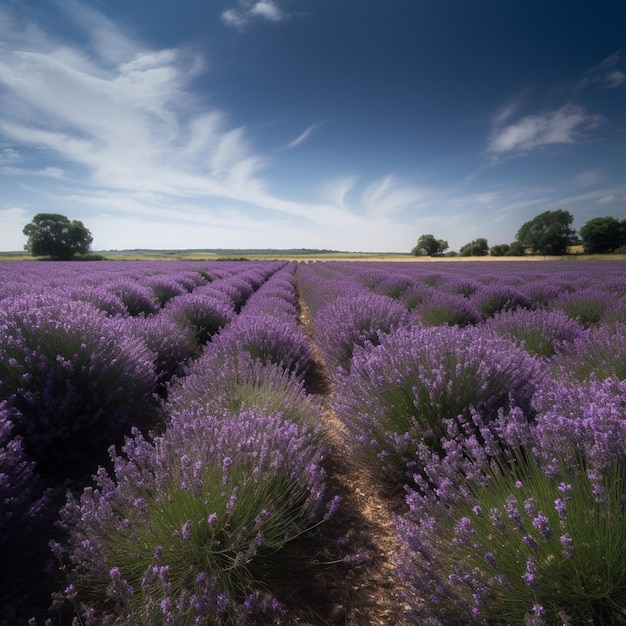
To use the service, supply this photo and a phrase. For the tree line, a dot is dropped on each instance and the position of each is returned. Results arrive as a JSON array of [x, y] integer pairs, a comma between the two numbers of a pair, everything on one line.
[[549, 233]]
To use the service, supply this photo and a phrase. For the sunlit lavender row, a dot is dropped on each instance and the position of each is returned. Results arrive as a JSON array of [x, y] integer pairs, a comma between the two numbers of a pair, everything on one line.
[[492, 395], [184, 388]]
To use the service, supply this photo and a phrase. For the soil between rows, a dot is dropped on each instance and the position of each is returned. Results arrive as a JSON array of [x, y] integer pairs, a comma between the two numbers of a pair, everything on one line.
[[365, 595]]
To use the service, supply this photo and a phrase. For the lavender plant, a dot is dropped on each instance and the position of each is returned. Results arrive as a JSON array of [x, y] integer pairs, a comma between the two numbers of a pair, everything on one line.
[[533, 548], [599, 352], [75, 378], [165, 288], [200, 314], [355, 321], [587, 306], [236, 382], [439, 308], [493, 298], [398, 395], [196, 526], [538, 535], [539, 331], [268, 339], [102, 299], [23, 509], [138, 299], [172, 345]]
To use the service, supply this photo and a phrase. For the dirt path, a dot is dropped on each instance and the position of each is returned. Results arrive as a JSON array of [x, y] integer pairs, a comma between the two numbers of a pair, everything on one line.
[[364, 595]]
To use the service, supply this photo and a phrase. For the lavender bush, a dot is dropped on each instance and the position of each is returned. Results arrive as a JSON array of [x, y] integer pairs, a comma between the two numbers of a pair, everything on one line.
[[493, 298], [599, 352], [199, 313], [196, 526], [165, 288], [539, 331], [172, 345], [397, 395], [23, 510], [268, 339], [538, 538], [587, 306], [355, 321], [532, 549], [439, 308], [138, 299], [76, 379], [236, 382]]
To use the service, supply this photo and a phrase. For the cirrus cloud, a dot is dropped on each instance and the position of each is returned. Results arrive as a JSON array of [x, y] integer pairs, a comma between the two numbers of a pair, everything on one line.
[[566, 125]]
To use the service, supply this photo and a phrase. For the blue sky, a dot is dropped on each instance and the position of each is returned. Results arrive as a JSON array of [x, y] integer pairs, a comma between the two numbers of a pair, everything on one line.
[[340, 124]]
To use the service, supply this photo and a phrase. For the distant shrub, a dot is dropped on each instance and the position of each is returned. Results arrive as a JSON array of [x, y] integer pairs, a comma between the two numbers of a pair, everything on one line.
[[355, 321], [76, 378], [398, 396], [196, 528]]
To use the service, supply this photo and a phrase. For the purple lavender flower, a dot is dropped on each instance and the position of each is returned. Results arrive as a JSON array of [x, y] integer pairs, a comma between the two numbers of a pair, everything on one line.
[[156, 547], [75, 377]]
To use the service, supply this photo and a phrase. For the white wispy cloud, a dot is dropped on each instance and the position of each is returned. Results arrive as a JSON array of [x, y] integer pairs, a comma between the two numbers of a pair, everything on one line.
[[302, 137], [604, 73], [389, 196], [248, 10], [566, 125], [337, 190], [126, 132], [606, 200]]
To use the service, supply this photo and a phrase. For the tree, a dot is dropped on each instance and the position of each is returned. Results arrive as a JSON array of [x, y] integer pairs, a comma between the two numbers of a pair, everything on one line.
[[53, 235], [429, 246], [548, 233], [603, 234], [516, 249], [500, 249], [478, 247]]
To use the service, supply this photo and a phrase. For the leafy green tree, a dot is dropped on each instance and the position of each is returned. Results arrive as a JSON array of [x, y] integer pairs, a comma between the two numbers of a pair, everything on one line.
[[516, 249], [478, 247], [603, 234], [500, 249], [549, 233], [429, 246], [54, 235]]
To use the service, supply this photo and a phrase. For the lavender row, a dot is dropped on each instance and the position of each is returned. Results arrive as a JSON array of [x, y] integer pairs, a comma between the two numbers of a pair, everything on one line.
[[506, 430], [85, 356], [199, 524]]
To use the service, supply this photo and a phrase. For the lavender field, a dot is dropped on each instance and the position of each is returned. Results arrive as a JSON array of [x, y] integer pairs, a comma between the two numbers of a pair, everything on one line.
[[281, 442]]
